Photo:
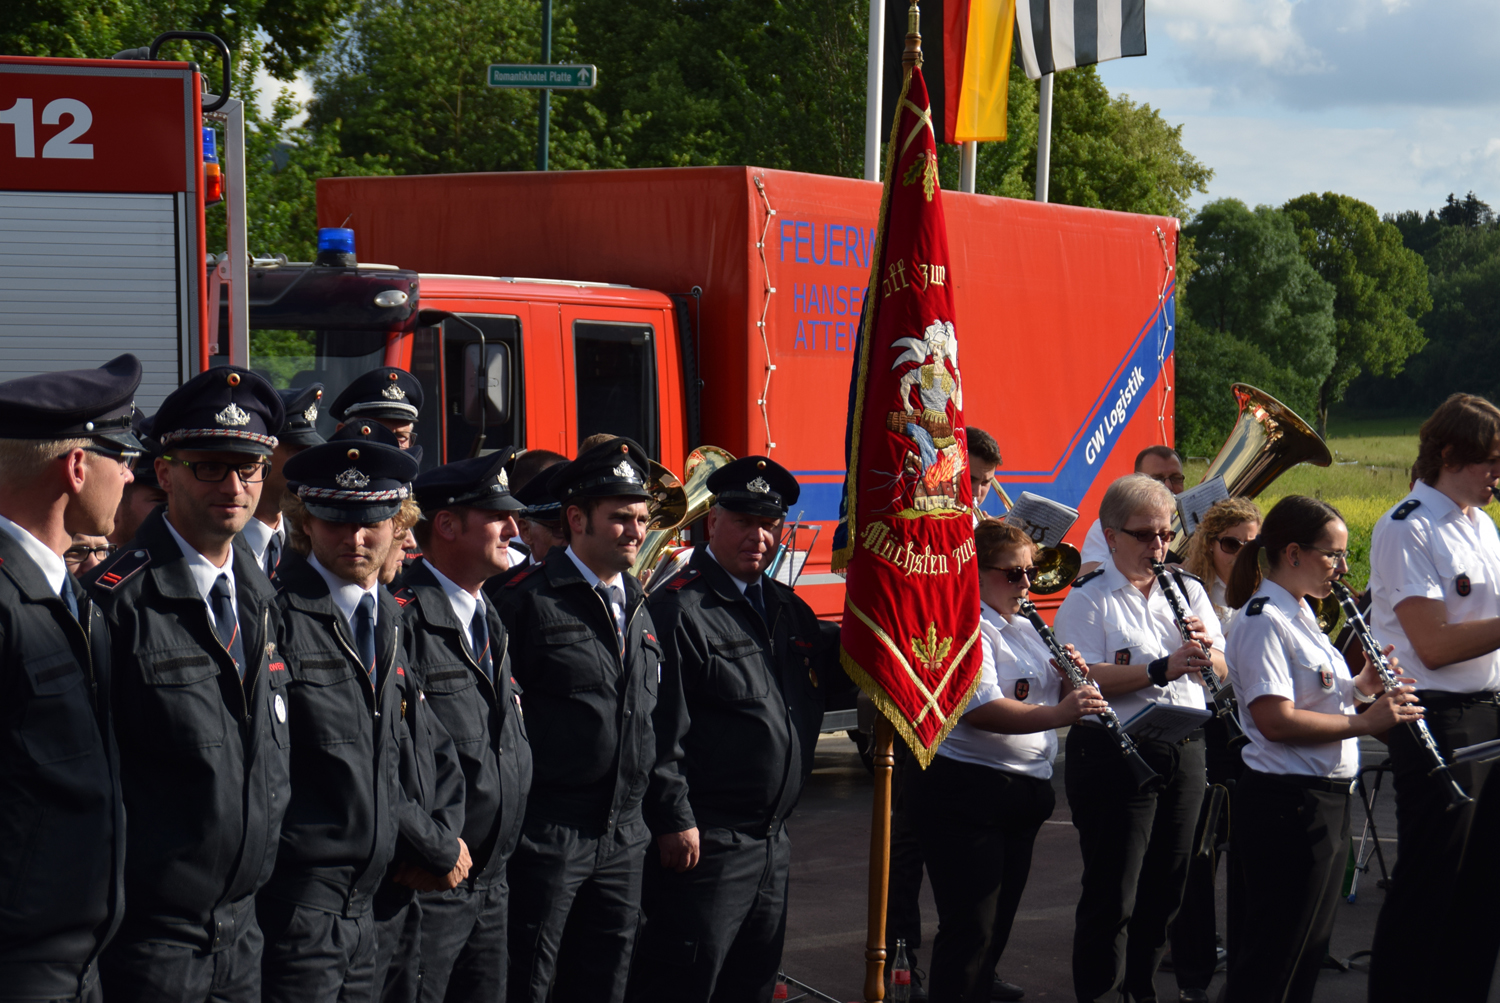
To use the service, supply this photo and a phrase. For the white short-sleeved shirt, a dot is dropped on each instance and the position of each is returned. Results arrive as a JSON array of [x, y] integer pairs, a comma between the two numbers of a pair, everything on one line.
[[1108, 620], [1426, 547], [1016, 666], [1276, 649], [1095, 546]]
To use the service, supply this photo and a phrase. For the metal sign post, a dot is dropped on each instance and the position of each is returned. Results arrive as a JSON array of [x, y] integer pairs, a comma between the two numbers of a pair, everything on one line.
[[546, 78]]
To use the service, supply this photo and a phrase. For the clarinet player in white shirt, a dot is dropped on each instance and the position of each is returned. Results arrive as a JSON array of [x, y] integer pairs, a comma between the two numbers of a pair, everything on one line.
[[1303, 715], [981, 802]]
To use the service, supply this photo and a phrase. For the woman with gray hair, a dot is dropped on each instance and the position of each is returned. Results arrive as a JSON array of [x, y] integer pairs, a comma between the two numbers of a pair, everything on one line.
[[1136, 846]]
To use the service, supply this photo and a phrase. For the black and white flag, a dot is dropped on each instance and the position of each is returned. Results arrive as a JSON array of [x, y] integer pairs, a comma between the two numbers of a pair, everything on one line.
[[1061, 34]]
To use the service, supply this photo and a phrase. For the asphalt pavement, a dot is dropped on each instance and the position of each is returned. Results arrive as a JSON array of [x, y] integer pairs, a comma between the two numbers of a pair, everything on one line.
[[830, 833]]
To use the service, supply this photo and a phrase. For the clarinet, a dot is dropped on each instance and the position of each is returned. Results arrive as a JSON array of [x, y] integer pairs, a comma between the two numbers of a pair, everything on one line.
[[1146, 779], [1388, 680], [1223, 696]]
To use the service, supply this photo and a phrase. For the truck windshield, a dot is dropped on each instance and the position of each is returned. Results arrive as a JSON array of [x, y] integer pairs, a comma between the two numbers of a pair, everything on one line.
[[332, 358]]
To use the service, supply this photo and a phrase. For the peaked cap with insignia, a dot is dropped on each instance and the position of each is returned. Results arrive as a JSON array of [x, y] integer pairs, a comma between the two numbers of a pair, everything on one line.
[[541, 506], [754, 485], [225, 408], [614, 469], [478, 482], [359, 475], [380, 393], [301, 403], [74, 404]]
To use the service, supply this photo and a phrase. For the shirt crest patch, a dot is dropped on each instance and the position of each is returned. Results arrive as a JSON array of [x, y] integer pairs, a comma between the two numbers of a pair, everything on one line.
[[1325, 679], [1462, 585], [233, 414], [1023, 689], [1122, 657]]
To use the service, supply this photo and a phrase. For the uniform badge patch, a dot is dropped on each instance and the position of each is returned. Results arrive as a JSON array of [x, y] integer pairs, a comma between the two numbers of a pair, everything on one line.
[[1325, 679], [1122, 657], [1406, 508], [1462, 585], [1023, 688]]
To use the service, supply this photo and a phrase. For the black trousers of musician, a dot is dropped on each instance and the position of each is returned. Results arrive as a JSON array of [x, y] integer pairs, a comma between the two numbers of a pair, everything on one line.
[[138, 966], [1439, 929], [1194, 933], [977, 825], [574, 905], [903, 913], [312, 956], [714, 933], [464, 946], [398, 949], [1291, 845], [1136, 849]]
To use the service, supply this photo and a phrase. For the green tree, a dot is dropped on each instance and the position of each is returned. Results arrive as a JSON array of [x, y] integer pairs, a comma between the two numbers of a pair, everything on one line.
[[1380, 288]]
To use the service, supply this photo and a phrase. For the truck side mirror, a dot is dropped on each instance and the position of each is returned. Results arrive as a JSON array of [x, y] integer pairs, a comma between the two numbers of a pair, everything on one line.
[[487, 385]]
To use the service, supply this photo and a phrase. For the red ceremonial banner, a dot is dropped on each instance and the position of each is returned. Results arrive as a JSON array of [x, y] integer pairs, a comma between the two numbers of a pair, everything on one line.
[[906, 544]]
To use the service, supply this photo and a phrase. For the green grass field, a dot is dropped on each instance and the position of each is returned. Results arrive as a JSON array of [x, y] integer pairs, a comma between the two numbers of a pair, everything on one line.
[[1372, 460]]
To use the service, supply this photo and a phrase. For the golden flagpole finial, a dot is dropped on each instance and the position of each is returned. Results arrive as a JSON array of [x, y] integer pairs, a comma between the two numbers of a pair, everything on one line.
[[913, 54]]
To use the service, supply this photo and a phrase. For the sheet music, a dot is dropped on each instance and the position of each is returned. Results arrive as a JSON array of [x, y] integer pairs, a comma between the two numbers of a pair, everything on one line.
[[1164, 722], [1043, 519], [1195, 501]]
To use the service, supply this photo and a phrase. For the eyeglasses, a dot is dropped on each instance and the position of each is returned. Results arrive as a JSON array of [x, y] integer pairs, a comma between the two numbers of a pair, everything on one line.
[[405, 440], [78, 553], [215, 471], [1230, 545], [1336, 556], [1170, 480], [125, 457], [1014, 575], [1145, 536]]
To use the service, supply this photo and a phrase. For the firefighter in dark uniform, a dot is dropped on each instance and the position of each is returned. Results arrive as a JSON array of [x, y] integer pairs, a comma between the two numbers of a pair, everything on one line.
[[540, 525], [64, 460], [348, 700], [747, 667], [266, 533], [201, 716], [586, 654], [459, 655], [392, 397]]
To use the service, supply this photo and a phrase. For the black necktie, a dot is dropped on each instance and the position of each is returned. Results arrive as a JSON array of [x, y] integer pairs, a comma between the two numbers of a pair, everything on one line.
[[226, 623], [68, 598], [753, 593], [479, 637], [273, 554], [364, 633], [608, 593]]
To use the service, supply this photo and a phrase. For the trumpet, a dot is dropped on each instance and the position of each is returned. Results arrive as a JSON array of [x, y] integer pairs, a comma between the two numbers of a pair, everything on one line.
[[1439, 765], [1146, 779], [1223, 696], [1056, 567]]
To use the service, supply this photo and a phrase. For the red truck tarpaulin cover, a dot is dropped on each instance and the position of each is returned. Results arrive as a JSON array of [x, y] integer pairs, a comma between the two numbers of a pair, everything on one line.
[[906, 540]]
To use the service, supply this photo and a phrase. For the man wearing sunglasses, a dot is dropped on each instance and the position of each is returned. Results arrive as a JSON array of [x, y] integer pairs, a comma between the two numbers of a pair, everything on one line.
[[64, 460], [199, 703], [1161, 464]]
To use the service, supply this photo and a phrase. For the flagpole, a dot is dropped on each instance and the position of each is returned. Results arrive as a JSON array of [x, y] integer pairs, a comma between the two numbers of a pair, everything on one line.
[[874, 72], [1043, 137], [968, 162]]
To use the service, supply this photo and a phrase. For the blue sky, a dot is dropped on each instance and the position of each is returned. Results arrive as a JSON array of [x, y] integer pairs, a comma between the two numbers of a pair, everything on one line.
[[1395, 102]]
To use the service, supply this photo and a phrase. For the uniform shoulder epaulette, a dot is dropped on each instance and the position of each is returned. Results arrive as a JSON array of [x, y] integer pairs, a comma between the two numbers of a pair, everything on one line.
[[1406, 508], [680, 579], [1256, 605], [126, 565], [1085, 579], [1185, 573], [404, 596], [521, 576]]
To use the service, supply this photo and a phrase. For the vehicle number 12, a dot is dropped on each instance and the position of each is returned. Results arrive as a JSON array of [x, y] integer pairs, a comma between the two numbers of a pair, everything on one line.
[[64, 145]]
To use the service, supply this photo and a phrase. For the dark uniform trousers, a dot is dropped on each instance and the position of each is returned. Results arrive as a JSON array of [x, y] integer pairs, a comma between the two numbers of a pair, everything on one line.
[[903, 915], [205, 769], [62, 828], [977, 825], [463, 954], [1439, 928], [1136, 848], [742, 695], [348, 801], [599, 776], [1291, 844]]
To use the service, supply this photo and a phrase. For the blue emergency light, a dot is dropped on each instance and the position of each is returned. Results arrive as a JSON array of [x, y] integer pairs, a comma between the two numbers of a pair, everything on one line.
[[336, 246]]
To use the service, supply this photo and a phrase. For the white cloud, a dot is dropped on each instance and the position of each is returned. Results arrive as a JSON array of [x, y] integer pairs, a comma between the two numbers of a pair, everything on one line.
[[1257, 32], [268, 87]]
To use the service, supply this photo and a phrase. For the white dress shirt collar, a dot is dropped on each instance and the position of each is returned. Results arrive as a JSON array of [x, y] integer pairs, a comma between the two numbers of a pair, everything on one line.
[[1440, 505], [741, 585], [258, 535], [463, 601], [203, 572], [52, 567], [588, 573], [346, 595]]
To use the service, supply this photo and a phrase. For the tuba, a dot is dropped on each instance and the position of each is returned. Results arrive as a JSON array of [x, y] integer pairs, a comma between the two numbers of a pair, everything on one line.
[[676, 504]]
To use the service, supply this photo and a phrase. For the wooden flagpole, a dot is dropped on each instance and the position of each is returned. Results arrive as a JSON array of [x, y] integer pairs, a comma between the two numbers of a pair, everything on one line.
[[885, 733]]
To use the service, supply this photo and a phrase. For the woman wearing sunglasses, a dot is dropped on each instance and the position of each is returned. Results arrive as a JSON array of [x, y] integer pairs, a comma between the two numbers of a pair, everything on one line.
[[1303, 716], [981, 802], [1225, 528], [1136, 846]]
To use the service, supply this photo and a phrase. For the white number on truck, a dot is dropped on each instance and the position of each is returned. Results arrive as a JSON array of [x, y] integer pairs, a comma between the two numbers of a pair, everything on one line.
[[64, 145]]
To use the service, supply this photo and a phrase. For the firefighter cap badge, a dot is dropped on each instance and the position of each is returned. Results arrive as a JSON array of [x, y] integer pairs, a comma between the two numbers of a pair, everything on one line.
[[758, 486], [311, 414], [393, 392], [234, 415], [626, 472], [352, 479]]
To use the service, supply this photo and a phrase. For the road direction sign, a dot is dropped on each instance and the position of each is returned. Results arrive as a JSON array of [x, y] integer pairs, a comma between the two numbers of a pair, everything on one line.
[[541, 76]]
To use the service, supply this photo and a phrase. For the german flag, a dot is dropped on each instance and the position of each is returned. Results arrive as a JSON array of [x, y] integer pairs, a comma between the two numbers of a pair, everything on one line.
[[966, 55]]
